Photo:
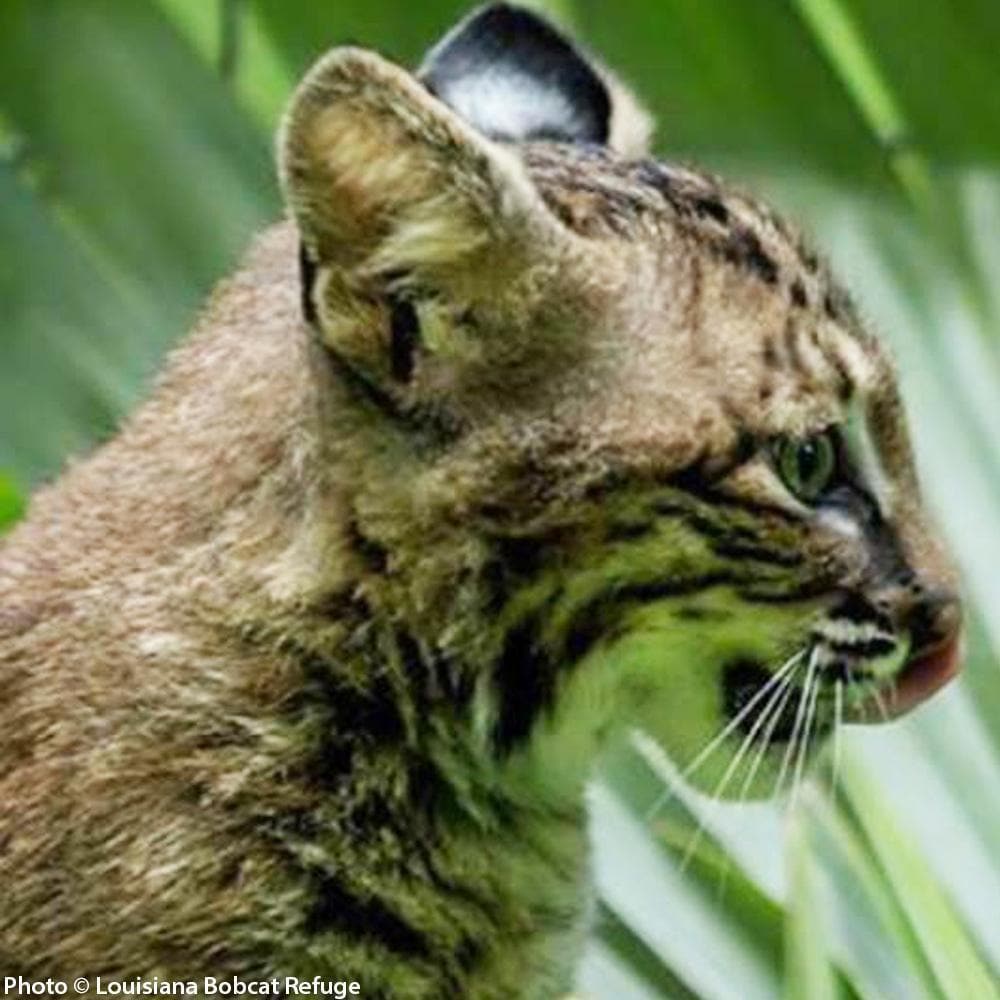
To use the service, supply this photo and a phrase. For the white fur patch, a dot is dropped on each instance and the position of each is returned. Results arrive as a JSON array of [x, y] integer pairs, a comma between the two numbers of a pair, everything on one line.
[[840, 522], [844, 632], [514, 104]]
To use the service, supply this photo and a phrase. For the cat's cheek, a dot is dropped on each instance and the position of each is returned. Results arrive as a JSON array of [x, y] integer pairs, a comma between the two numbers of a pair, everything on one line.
[[838, 554], [671, 666]]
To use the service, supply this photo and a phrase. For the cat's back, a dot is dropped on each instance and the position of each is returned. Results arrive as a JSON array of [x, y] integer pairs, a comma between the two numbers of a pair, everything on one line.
[[115, 598]]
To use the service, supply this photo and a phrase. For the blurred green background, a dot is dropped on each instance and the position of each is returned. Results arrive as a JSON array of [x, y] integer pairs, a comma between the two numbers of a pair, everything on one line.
[[135, 163]]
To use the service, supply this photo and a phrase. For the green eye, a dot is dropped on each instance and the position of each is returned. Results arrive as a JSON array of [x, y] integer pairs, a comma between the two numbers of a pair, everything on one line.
[[807, 465]]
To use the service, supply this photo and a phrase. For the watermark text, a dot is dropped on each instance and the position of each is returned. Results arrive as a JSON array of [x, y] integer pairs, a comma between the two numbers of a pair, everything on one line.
[[288, 986]]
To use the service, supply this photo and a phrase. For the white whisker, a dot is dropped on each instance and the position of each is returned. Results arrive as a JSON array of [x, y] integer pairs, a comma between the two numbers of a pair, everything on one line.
[[797, 725], [726, 778], [838, 723], [775, 710], [804, 746], [768, 734], [883, 711], [776, 678]]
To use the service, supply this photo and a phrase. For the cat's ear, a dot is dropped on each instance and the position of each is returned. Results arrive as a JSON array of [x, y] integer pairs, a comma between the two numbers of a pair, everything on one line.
[[515, 77], [381, 176], [398, 201], [389, 188]]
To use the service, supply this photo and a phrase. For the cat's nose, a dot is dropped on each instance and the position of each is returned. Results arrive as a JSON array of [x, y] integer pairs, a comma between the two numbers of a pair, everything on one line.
[[934, 619]]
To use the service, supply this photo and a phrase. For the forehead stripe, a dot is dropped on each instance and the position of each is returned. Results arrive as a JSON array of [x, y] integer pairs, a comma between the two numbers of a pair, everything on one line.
[[743, 248]]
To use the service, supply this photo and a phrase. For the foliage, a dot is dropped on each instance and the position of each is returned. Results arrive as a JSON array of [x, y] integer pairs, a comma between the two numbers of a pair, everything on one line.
[[135, 164], [11, 502]]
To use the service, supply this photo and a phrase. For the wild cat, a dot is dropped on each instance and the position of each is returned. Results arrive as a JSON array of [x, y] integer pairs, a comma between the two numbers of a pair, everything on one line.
[[511, 439]]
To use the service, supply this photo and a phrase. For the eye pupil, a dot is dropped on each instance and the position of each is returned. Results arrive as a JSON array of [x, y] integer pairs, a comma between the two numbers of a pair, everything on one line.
[[808, 460], [807, 466]]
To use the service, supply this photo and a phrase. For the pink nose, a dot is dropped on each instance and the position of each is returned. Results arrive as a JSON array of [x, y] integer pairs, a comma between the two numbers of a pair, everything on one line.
[[931, 665]]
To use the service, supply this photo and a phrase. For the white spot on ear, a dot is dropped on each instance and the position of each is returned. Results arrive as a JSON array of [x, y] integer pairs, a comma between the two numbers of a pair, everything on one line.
[[514, 76], [508, 104]]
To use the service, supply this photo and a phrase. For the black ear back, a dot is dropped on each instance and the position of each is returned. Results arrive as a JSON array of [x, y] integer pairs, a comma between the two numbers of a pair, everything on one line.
[[514, 77]]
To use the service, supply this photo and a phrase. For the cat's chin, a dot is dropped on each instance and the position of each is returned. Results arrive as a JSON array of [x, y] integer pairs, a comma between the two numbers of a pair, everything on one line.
[[924, 675]]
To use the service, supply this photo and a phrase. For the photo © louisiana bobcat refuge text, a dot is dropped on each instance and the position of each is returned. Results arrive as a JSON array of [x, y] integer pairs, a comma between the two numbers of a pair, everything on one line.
[[511, 439]]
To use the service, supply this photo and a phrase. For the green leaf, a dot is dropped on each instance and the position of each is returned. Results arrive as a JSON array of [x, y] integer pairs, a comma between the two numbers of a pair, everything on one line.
[[136, 183], [946, 946], [669, 914], [11, 502], [737, 85], [808, 972]]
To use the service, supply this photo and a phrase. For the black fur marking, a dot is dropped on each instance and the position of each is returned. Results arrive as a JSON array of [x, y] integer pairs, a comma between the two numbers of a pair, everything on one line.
[[729, 549], [527, 672], [307, 278], [525, 677], [757, 508], [700, 476], [365, 389], [770, 353], [784, 591], [857, 610], [659, 177], [339, 716], [521, 555], [373, 554], [597, 617], [864, 649], [712, 208], [925, 621], [707, 469], [743, 248], [420, 675], [403, 339], [549, 89], [624, 531], [590, 626], [336, 909], [798, 294], [741, 681], [433, 426]]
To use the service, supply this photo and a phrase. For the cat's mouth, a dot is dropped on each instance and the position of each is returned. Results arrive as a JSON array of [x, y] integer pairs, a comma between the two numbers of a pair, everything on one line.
[[864, 697]]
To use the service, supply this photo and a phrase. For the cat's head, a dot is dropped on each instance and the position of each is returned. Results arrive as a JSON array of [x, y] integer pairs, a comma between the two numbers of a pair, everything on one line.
[[621, 446]]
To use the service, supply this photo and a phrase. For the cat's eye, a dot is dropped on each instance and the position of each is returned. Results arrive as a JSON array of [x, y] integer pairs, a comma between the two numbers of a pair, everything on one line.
[[808, 465]]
